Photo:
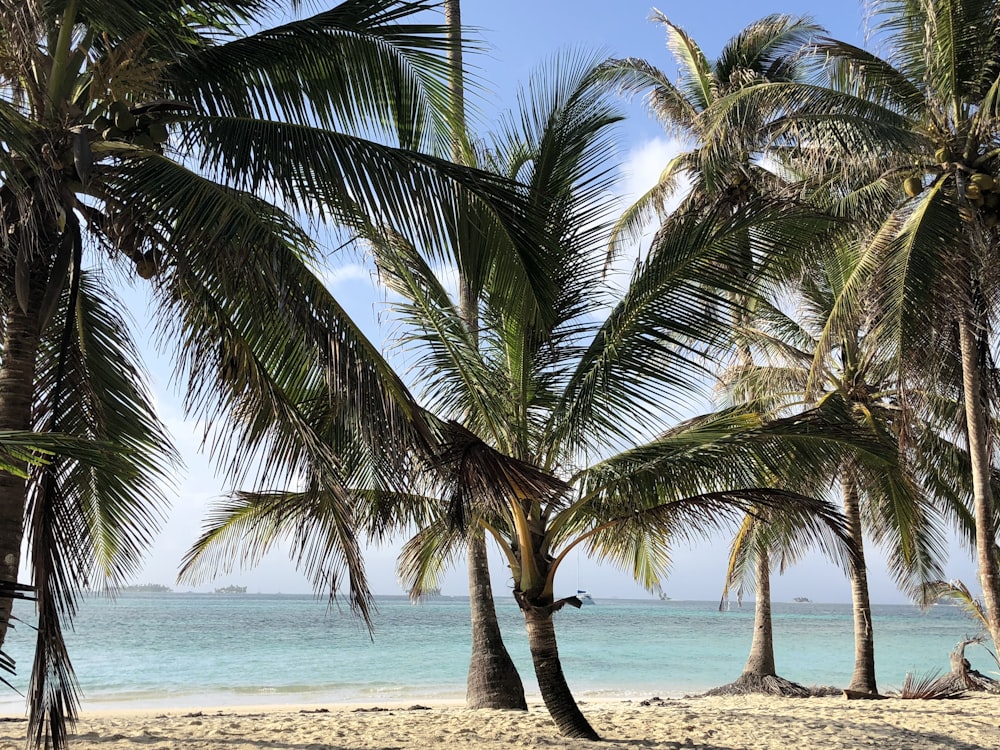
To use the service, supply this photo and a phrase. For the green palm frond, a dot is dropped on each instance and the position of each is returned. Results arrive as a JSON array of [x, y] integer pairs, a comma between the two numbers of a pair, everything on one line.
[[106, 400], [957, 592], [696, 74], [771, 47], [458, 384], [362, 63], [666, 101], [318, 523], [638, 540], [429, 553], [88, 523], [678, 304]]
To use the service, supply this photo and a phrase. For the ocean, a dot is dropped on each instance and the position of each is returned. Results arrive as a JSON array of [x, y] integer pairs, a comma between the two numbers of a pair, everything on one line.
[[196, 650]]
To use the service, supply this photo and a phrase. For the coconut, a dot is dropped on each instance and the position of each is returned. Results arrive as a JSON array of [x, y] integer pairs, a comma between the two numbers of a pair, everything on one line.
[[913, 186], [984, 181], [158, 132], [146, 269], [942, 155], [972, 191]]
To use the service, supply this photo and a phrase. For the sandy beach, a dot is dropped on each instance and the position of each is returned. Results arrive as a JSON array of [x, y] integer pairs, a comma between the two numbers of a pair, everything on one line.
[[745, 723]]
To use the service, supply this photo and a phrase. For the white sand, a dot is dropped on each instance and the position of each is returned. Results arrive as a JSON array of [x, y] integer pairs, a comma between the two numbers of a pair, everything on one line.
[[751, 723]]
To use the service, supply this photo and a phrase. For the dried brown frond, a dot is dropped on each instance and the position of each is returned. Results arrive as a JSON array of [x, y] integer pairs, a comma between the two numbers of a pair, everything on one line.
[[930, 686]]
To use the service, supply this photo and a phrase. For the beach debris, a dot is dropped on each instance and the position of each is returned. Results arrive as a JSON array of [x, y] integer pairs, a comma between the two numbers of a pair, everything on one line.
[[418, 707], [929, 687], [315, 711], [654, 701], [373, 709], [764, 684]]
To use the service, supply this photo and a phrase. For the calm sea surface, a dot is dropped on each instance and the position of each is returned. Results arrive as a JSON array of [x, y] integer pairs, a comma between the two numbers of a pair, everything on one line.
[[190, 650]]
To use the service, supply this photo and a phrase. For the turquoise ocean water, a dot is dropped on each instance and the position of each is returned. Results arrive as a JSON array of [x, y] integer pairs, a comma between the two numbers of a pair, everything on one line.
[[191, 650]]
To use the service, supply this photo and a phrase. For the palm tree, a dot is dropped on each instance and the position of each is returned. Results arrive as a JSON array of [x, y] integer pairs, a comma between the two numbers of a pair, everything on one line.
[[924, 117], [150, 132], [724, 171], [729, 168], [902, 511], [493, 680], [553, 394]]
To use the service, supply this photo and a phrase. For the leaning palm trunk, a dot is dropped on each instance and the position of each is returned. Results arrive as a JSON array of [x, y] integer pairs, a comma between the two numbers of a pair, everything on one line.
[[493, 680], [979, 454], [548, 671], [863, 679], [17, 379]]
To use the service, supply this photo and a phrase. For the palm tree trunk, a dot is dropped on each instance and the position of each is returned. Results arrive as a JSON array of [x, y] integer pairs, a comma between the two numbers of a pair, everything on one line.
[[17, 381], [863, 679], [976, 420], [548, 671], [493, 680], [760, 662]]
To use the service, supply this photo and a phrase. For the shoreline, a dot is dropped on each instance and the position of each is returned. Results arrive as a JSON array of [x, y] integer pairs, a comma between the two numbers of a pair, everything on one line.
[[733, 723]]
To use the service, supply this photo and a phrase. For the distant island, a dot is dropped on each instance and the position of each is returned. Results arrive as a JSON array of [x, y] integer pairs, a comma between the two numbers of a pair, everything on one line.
[[232, 590], [147, 588], [802, 600]]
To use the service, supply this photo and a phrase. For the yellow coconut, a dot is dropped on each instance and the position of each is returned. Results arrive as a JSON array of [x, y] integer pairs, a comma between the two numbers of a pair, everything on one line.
[[912, 186], [942, 155], [984, 181], [972, 191]]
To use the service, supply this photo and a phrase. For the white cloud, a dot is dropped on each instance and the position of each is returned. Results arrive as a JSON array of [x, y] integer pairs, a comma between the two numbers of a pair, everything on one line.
[[348, 273], [641, 170]]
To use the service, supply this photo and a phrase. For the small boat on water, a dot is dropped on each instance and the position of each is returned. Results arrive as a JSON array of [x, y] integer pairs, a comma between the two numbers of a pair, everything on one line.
[[584, 597], [802, 600]]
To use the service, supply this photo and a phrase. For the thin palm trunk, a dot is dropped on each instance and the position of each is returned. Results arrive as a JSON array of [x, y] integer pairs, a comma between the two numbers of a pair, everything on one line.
[[493, 680], [863, 679], [551, 681], [17, 380], [760, 662], [979, 454]]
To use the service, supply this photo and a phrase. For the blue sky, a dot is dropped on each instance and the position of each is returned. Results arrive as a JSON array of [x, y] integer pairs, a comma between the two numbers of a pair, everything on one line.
[[519, 35]]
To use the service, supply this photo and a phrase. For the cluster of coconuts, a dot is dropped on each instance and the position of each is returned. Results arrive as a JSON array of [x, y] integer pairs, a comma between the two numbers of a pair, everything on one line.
[[738, 189], [119, 122], [139, 125], [147, 264], [981, 190]]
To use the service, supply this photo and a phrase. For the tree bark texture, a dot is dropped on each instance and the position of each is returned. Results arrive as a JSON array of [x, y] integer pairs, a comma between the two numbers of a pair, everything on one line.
[[863, 679], [493, 680], [977, 421], [761, 658], [551, 681]]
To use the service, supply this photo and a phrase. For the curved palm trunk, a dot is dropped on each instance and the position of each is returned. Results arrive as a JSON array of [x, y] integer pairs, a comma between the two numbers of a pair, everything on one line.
[[17, 380], [760, 662], [976, 420], [548, 671], [863, 679], [493, 680]]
